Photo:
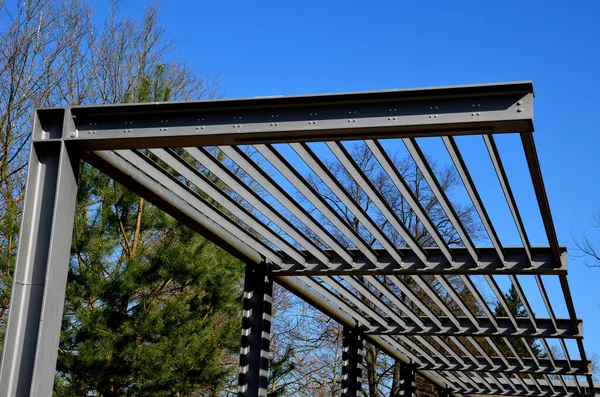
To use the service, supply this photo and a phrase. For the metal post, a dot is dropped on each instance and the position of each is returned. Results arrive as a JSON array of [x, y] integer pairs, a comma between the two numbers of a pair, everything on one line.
[[39, 282], [407, 380], [256, 332], [352, 363]]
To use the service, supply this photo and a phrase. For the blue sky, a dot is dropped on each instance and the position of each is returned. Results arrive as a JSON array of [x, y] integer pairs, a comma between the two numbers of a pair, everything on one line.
[[281, 48]]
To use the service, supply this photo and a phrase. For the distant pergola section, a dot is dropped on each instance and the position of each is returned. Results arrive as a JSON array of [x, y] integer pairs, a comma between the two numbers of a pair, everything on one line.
[[403, 299]]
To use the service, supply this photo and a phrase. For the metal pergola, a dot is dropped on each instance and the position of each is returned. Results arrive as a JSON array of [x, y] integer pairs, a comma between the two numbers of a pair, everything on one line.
[[406, 299]]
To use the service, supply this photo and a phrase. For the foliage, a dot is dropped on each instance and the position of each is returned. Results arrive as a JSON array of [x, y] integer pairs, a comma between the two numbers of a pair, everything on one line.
[[151, 308], [515, 305]]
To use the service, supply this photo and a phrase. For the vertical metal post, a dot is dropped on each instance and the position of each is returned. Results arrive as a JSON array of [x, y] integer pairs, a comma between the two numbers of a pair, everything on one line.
[[352, 363], [256, 332], [39, 282], [407, 380]]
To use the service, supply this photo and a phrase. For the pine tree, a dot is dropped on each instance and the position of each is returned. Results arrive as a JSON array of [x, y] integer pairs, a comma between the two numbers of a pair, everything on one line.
[[151, 307], [518, 310]]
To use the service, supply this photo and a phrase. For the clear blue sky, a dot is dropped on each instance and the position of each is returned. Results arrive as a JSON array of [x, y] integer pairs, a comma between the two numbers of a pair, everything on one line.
[[281, 48]]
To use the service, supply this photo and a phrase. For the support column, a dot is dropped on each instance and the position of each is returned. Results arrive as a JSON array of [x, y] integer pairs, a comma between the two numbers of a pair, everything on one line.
[[352, 363], [256, 332], [39, 282], [407, 380]]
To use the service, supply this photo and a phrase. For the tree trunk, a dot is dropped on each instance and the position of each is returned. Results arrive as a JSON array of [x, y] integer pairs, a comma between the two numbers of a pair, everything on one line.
[[395, 391], [371, 364]]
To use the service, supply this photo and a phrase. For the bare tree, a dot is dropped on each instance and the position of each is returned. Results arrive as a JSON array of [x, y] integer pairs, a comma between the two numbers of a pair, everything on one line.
[[589, 249], [382, 373], [36, 39]]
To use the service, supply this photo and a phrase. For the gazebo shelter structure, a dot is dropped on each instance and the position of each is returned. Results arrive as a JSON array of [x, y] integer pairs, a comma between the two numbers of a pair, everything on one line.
[[163, 151]]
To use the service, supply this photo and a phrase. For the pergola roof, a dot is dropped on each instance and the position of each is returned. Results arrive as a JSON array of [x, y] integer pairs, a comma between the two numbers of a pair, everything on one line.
[[407, 299]]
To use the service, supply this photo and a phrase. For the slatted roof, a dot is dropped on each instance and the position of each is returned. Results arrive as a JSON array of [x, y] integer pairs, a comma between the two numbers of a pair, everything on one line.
[[237, 172]]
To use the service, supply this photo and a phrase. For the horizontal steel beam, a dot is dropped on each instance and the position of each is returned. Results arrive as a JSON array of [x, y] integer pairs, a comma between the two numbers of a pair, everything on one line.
[[495, 108], [545, 328], [512, 365], [554, 388], [516, 263]]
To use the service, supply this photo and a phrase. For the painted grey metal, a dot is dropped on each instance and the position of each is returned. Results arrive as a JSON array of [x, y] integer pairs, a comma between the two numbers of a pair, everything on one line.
[[467, 180], [324, 174], [285, 199], [374, 292], [377, 198], [427, 326], [540, 191], [439, 193], [516, 263], [497, 108], [548, 388], [256, 331], [490, 143], [39, 282], [352, 363], [137, 181], [406, 192], [408, 381]]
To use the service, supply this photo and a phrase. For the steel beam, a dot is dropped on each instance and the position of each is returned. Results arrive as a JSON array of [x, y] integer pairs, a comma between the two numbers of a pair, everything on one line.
[[408, 381], [138, 182], [516, 262], [36, 306], [545, 327], [256, 332], [512, 365], [493, 108], [352, 363], [122, 171], [546, 388]]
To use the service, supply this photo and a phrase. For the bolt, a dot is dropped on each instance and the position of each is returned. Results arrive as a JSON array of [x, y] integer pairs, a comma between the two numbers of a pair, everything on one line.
[[519, 110], [519, 103], [479, 114]]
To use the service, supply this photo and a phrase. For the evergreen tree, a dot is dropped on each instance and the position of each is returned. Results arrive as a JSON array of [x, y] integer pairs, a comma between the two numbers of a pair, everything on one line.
[[518, 310], [151, 307]]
